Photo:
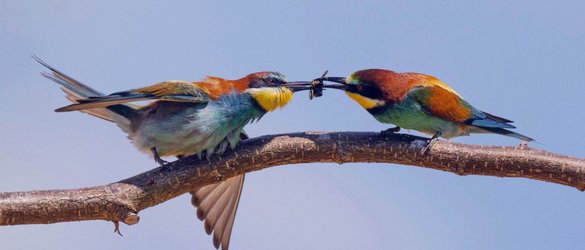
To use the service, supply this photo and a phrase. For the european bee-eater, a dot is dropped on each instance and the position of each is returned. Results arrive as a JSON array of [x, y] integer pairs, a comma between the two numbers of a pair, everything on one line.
[[419, 102], [188, 118]]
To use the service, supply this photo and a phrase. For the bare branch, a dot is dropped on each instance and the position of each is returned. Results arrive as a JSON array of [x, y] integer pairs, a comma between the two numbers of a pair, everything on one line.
[[121, 201]]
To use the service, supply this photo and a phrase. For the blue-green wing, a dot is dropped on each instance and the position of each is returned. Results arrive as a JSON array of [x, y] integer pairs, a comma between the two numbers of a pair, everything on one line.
[[177, 91]]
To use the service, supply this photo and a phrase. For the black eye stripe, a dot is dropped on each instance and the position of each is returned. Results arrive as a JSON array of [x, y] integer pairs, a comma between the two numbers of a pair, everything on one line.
[[276, 81], [367, 91], [266, 82]]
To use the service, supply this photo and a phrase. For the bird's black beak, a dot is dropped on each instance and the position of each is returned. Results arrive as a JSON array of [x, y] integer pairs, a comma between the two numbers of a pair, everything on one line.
[[299, 86], [341, 80], [335, 86]]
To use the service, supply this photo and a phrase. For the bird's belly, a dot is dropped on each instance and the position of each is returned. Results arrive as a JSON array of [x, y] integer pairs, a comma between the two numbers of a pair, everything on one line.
[[412, 117], [178, 128], [176, 137], [183, 133]]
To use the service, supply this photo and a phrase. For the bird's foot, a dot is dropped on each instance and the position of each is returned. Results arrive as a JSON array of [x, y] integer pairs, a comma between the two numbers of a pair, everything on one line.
[[202, 155], [430, 143], [117, 228], [390, 131], [161, 162], [523, 144], [157, 158], [182, 156]]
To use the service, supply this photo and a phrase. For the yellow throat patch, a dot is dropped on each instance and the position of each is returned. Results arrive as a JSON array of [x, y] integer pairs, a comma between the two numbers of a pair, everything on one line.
[[271, 98], [365, 102]]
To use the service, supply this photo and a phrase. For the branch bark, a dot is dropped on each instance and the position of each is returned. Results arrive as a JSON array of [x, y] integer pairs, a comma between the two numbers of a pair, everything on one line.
[[122, 200]]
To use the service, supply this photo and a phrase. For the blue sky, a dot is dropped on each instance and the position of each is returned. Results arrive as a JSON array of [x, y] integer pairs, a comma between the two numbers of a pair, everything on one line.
[[522, 60]]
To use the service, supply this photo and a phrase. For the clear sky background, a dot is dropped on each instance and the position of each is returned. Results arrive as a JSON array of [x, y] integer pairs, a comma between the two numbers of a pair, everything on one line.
[[523, 60]]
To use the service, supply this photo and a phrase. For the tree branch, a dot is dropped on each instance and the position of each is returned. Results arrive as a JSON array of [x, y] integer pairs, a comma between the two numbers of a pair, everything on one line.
[[121, 201]]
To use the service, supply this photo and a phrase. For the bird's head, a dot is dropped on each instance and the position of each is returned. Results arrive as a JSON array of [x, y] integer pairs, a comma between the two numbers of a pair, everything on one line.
[[363, 86], [272, 90]]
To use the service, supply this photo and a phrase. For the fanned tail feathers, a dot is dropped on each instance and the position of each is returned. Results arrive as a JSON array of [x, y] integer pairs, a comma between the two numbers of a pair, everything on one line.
[[217, 205]]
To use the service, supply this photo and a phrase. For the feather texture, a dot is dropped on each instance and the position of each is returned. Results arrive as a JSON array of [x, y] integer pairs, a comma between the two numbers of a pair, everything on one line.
[[423, 103], [178, 91], [185, 118], [217, 205], [439, 102], [76, 91]]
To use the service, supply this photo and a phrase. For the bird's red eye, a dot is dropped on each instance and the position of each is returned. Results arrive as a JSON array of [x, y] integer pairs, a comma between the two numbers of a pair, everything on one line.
[[271, 80]]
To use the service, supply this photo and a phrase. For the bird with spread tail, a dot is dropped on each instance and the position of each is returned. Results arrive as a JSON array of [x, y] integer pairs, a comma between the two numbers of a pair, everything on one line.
[[419, 102], [188, 118]]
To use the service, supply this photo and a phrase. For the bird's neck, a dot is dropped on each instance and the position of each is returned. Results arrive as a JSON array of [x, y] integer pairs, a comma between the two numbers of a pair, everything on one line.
[[240, 107]]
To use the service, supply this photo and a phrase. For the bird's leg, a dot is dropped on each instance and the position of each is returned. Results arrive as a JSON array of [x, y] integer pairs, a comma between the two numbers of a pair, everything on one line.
[[244, 136], [431, 142], [180, 157], [390, 131], [117, 228], [157, 158]]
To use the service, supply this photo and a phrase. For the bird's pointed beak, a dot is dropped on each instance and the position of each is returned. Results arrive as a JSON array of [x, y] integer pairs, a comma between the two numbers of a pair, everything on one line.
[[299, 86], [341, 80], [335, 86]]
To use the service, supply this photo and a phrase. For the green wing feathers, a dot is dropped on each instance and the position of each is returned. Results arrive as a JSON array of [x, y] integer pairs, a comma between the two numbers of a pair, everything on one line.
[[177, 91], [440, 102]]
